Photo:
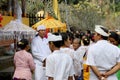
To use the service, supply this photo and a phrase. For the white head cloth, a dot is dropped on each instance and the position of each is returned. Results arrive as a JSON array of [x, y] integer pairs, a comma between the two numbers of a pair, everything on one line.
[[52, 37], [98, 29], [41, 27]]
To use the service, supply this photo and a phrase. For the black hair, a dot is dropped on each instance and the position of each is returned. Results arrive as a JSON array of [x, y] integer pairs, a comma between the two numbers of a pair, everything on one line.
[[82, 34], [119, 39], [92, 37], [77, 35], [64, 38], [57, 43], [115, 36], [22, 43], [88, 32], [86, 41], [71, 36]]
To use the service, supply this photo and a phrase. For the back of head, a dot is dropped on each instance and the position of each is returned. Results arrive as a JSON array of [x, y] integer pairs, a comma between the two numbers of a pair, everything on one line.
[[22, 44], [82, 34], [64, 37], [71, 36], [88, 32], [114, 38], [86, 40], [55, 38], [114, 35]]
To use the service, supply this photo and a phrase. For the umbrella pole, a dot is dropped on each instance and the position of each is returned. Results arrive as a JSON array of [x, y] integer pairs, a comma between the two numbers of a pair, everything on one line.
[[15, 42]]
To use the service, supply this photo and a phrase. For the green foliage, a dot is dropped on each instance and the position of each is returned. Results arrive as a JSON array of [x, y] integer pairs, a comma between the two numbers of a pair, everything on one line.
[[70, 1], [117, 7], [85, 15], [34, 6]]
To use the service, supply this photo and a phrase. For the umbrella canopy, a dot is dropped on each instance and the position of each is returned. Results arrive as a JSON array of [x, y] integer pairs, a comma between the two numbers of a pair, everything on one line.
[[50, 22], [17, 28]]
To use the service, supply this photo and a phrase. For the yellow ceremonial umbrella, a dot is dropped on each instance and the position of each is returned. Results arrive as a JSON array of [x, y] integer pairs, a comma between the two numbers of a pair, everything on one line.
[[51, 23]]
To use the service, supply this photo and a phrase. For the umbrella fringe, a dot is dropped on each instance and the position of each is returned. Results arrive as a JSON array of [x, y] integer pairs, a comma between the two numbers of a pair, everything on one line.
[[18, 35]]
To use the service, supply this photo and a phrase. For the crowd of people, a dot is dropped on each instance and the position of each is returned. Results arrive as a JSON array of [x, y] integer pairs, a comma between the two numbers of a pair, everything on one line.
[[69, 56]]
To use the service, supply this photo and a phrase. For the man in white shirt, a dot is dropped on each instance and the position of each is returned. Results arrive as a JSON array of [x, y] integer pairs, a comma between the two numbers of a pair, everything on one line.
[[59, 66], [40, 50], [103, 57]]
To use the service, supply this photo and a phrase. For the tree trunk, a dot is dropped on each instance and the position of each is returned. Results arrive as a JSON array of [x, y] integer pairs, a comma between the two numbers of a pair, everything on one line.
[[10, 7], [23, 8], [15, 7]]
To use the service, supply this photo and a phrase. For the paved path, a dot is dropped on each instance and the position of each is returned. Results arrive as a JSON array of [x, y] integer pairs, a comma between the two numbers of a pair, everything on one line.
[[9, 69], [6, 67]]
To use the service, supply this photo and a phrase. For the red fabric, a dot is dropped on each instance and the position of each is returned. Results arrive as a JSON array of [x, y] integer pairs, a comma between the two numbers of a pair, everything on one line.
[[47, 31], [1, 18]]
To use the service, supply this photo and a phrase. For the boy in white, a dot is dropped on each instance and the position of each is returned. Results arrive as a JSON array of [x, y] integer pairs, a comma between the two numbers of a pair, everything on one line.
[[59, 66]]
